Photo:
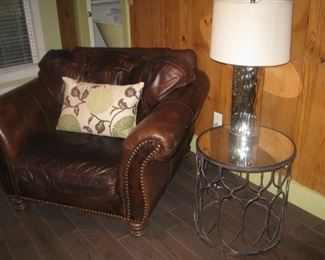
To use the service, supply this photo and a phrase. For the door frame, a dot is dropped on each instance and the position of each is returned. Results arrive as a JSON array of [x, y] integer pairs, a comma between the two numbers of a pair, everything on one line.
[[90, 24], [125, 11]]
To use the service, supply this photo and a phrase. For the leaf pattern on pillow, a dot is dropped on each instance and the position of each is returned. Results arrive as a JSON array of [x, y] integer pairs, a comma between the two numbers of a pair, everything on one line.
[[76, 110], [122, 106], [90, 119], [100, 127], [122, 126], [75, 92], [85, 94], [101, 109], [67, 101], [69, 122], [88, 129]]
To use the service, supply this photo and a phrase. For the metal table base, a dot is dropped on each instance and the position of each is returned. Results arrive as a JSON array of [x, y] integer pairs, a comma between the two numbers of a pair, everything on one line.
[[240, 211]]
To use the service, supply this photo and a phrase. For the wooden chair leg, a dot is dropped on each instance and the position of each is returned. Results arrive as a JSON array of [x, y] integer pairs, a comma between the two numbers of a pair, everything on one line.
[[18, 204], [138, 229]]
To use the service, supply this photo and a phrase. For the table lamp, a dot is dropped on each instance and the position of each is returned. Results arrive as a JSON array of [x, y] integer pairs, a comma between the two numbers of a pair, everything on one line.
[[249, 34]]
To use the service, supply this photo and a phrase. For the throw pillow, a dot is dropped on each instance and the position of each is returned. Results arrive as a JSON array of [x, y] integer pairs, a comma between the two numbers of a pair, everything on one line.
[[100, 109]]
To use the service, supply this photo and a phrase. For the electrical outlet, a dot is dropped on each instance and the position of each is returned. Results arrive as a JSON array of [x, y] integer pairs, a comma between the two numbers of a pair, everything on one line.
[[217, 119]]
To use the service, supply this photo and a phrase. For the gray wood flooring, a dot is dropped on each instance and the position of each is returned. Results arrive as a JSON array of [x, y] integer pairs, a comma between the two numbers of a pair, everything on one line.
[[42, 232]]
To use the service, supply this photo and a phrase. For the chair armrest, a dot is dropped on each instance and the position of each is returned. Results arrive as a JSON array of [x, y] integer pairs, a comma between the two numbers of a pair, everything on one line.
[[25, 112], [168, 124], [165, 127], [151, 152]]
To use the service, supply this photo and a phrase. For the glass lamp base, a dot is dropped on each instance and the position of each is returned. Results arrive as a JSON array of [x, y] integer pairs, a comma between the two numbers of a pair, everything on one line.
[[243, 110], [243, 131]]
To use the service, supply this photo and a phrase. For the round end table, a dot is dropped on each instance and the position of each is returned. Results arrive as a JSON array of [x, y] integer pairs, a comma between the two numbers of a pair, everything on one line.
[[242, 189]]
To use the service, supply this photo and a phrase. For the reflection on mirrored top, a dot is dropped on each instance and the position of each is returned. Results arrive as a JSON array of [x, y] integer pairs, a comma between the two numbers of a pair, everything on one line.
[[269, 149]]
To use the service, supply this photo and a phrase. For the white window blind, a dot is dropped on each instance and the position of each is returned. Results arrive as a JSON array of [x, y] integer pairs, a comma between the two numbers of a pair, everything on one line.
[[17, 39]]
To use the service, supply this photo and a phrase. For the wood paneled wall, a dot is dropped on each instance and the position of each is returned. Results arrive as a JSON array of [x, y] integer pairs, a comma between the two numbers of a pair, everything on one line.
[[293, 95], [67, 23]]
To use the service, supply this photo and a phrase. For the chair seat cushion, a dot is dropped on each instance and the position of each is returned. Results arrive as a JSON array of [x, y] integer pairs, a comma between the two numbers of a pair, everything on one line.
[[71, 168]]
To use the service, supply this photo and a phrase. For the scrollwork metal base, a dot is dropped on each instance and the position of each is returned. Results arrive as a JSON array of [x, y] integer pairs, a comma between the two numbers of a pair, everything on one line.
[[236, 216]]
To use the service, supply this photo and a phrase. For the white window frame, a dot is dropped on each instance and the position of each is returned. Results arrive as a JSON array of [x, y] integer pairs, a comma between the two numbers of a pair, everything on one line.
[[28, 70]]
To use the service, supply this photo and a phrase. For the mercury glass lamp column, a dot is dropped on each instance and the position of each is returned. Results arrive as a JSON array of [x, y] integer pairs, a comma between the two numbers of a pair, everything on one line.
[[243, 109], [244, 122]]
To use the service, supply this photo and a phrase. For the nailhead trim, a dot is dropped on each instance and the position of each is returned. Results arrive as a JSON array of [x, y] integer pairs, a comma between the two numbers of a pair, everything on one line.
[[77, 208], [142, 167]]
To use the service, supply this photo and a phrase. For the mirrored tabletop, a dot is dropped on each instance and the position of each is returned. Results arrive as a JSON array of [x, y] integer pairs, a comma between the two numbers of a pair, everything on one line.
[[270, 150]]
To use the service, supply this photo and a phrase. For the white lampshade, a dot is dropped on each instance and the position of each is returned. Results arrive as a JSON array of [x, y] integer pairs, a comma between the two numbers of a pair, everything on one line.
[[251, 34]]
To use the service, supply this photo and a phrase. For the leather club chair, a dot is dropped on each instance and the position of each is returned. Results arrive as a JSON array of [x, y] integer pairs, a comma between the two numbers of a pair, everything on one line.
[[120, 178]]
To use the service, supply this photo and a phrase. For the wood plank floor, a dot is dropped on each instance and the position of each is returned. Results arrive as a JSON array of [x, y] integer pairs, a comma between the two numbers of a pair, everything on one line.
[[42, 232]]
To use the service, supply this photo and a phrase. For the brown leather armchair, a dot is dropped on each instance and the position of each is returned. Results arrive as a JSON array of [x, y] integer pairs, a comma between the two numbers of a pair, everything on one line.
[[121, 178]]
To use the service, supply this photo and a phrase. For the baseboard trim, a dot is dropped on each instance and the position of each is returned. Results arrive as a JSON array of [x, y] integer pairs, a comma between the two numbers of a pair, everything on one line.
[[299, 195], [307, 199]]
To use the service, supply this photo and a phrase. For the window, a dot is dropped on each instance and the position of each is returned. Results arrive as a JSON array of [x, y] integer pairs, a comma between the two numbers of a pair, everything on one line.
[[21, 40]]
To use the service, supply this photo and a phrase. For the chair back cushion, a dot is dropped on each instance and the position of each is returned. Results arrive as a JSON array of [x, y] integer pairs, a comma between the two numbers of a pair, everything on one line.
[[162, 70]]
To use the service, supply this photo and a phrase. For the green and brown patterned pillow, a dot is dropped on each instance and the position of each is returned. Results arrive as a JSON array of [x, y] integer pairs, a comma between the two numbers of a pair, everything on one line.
[[100, 109]]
